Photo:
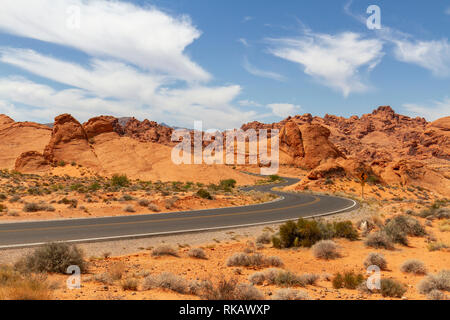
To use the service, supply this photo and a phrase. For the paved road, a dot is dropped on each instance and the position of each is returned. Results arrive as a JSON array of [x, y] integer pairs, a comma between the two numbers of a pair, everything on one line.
[[292, 206]]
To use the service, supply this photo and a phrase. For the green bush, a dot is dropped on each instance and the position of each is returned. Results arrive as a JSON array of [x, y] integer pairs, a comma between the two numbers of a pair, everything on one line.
[[227, 185], [202, 193], [392, 288], [348, 280], [52, 257], [305, 233], [120, 181]]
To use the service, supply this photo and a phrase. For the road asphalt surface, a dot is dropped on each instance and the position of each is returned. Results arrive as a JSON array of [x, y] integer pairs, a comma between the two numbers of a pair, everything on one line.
[[290, 206]]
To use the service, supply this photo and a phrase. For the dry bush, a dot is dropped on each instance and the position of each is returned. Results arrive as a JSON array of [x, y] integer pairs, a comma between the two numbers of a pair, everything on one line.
[[379, 240], [164, 250], [29, 288], [348, 280], [52, 257], [166, 280], [144, 202], [36, 207], [392, 288], [153, 207], [290, 294], [197, 253], [325, 249], [283, 278], [257, 278], [375, 259], [129, 208], [440, 281], [436, 295], [264, 238], [130, 284], [256, 260], [246, 291], [116, 271], [413, 266]]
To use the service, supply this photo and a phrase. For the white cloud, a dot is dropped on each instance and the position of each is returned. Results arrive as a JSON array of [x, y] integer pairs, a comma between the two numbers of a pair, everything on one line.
[[136, 67], [333, 60], [146, 37], [244, 42], [284, 110], [432, 111], [261, 73], [431, 55], [249, 103], [247, 19]]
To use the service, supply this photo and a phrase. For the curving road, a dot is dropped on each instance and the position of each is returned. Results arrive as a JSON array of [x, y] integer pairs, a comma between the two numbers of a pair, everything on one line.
[[291, 206]]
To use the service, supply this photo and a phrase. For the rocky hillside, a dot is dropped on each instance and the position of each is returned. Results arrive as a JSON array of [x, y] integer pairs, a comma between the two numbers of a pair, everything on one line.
[[390, 148]]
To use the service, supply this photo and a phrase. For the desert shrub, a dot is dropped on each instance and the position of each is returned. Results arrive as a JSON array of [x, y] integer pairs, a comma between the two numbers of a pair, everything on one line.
[[166, 280], [120, 181], [440, 281], [348, 280], [413, 266], [126, 197], [129, 209], [325, 249], [256, 260], [257, 278], [164, 250], [379, 240], [225, 289], [436, 295], [436, 246], [153, 207], [227, 185], [53, 257], [26, 288], [15, 198], [197, 253], [246, 291], [144, 202], [392, 288], [345, 230], [290, 294], [130, 284], [375, 259], [116, 271], [204, 194], [8, 275], [407, 225], [263, 238], [35, 207], [396, 233]]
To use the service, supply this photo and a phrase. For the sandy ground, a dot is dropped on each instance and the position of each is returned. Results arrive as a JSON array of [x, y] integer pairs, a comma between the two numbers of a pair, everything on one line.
[[219, 245]]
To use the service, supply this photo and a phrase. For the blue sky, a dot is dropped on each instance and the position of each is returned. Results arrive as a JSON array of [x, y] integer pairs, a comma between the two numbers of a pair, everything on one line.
[[223, 62]]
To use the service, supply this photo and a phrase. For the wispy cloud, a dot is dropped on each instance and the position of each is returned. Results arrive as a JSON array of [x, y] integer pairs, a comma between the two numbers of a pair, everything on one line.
[[249, 103], [334, 60], [284, 110], [260, 72], [433, 55], [431, 111], [129, 72], [247, 19], [244, 42]]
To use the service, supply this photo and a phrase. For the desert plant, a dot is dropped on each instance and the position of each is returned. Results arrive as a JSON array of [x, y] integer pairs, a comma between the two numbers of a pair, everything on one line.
[[379, 240], [166, 280], [345, 229], [325, 249], [256, 260], [246, 291], [164, 250], [375, 259], [348, 280], [257, 278], [153, 207], [197, 253], [120, 181], [129, 209], [440, 281], [204, 194], [53, 257], [436, 295], [144, 202], [392, 288], [116, 271], [413, 266], [130, 284], [290, 294], [263, 238]]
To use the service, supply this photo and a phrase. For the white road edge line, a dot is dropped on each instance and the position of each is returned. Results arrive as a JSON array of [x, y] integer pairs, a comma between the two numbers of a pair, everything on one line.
[[145, 235]]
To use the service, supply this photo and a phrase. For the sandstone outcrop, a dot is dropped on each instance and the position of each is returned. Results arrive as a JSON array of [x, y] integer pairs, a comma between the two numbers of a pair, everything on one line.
[[32, 162]]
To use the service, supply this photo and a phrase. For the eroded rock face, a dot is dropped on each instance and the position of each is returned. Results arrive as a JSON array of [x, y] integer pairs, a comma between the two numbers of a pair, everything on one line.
[[69, 143], [32, 162], [148, 131], [291, 140], [99, 125], [4, 119]]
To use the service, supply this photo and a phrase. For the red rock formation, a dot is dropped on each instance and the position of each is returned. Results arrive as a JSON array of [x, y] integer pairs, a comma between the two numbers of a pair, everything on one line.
[[148, 131], [69, 143], [32, 162], [99, 125]]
